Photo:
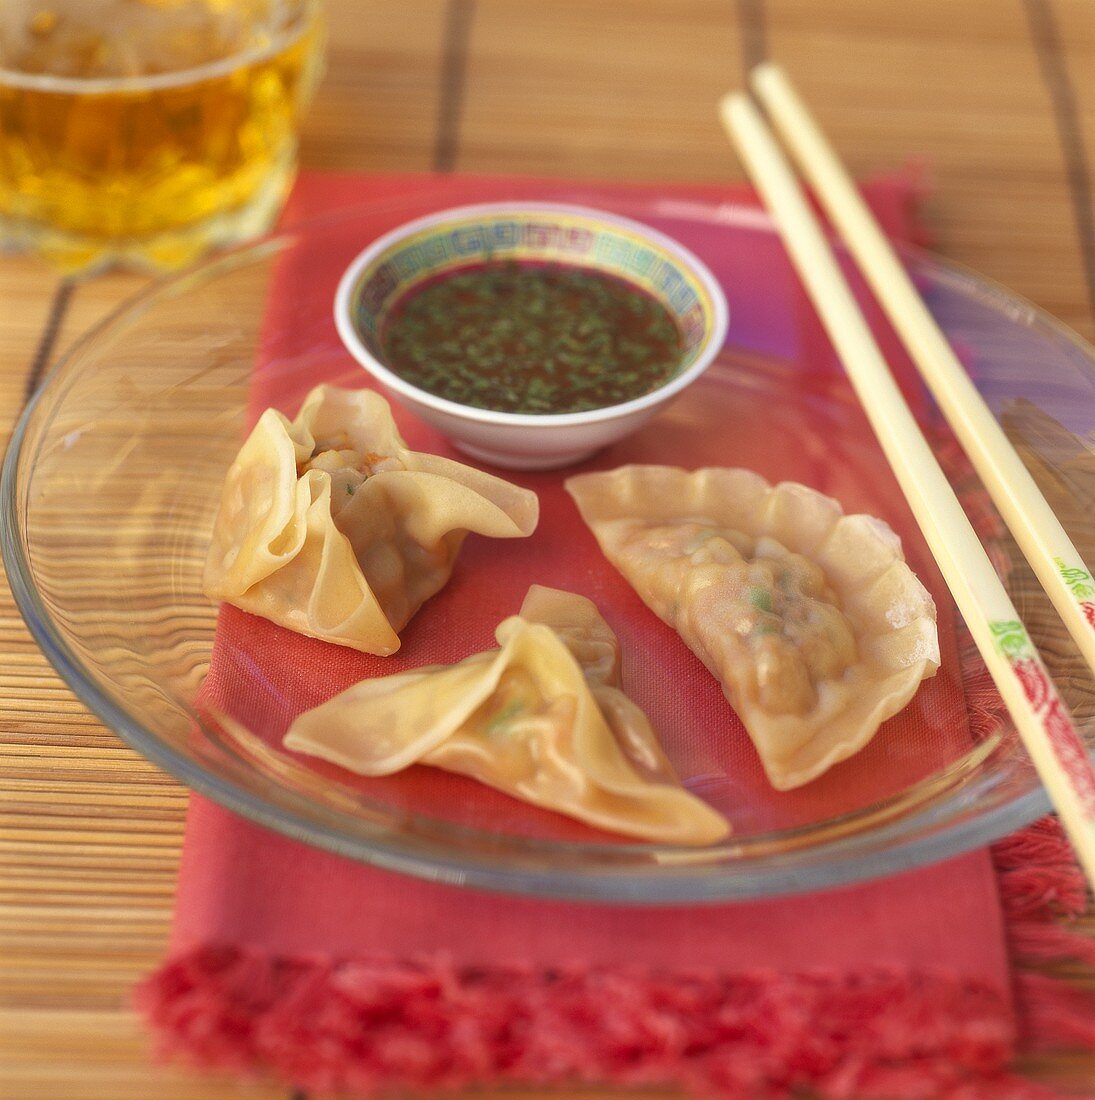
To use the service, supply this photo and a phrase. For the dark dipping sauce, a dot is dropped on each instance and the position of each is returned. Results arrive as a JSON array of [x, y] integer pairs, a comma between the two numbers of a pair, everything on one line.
[[532, 339]]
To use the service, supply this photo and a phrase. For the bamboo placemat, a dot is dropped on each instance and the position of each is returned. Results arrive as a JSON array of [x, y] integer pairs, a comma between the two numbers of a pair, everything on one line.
[[995, 97]]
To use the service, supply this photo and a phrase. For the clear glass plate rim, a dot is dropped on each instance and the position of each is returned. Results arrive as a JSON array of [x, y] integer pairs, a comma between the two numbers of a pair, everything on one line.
[[838, 862]]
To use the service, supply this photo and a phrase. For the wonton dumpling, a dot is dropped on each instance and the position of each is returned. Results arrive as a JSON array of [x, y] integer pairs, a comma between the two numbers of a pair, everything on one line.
[[542, 718], [329, 526], [811, 620]]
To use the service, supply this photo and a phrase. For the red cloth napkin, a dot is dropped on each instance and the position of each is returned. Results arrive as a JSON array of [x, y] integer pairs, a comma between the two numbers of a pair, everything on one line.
[[334, 974]]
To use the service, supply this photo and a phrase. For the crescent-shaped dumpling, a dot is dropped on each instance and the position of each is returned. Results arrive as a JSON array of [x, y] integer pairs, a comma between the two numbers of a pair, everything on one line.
[[331, 527], [542, 718], [810, 618]]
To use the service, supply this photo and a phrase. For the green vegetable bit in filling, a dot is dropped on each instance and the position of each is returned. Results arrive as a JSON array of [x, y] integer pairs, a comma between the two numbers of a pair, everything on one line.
[[505, 716], [532, 339], [760, 598]]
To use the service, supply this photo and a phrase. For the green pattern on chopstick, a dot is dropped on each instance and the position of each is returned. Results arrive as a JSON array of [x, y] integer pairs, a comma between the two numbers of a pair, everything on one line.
[[1011, 638], [1079, 581]]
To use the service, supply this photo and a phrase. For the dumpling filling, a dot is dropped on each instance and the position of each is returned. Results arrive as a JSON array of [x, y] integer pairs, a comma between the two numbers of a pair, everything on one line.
[[347, 468], [811, 620], [758, 594]]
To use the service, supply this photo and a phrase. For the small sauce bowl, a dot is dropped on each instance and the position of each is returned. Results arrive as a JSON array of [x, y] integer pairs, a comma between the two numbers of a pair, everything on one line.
[[467, 237]]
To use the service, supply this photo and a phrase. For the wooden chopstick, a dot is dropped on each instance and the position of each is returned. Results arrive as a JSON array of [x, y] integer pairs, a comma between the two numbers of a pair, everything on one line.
[[1035, 526], [1039, 713]]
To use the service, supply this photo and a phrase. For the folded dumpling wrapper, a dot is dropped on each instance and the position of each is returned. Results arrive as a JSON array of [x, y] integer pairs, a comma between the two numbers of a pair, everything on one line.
[[810, 618], [331, 527], [542, 718]]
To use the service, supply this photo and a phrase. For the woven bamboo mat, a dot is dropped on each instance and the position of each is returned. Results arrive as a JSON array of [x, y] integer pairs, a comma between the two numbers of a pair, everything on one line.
[[995, 97]]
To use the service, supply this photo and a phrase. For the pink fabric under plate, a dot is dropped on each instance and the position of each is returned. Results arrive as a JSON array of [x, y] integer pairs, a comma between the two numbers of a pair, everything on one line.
[[336, 974]]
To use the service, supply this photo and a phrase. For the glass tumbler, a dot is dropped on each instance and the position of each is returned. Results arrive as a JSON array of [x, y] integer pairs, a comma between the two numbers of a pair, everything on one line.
[[144, 132]]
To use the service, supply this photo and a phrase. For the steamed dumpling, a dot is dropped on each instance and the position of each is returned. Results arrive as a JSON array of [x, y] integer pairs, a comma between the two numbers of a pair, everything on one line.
[[331, 527], [811, 620], [542, 718]]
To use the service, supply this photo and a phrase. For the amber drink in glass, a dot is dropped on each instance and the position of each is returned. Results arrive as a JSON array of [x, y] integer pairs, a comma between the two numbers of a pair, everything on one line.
[[143, 132]]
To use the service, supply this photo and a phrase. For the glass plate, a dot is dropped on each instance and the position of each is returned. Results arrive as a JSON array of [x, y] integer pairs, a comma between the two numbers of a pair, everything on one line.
[[114, 474]]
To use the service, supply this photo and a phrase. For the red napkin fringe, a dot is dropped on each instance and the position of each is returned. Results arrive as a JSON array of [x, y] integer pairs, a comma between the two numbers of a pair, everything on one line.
[[1043, 892], [366, 1025]]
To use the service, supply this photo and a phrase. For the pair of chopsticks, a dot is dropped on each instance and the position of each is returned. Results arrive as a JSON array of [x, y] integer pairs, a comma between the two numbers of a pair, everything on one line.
[[1040, 715]]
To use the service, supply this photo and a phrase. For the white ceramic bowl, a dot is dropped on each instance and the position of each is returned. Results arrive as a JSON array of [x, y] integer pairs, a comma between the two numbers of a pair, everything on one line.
[[467, 236]]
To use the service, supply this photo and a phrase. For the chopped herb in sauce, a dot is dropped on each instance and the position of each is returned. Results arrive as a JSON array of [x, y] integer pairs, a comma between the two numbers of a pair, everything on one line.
[[532, 339]]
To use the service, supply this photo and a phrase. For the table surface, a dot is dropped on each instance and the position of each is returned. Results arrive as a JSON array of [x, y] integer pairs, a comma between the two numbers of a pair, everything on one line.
[[997, 103]]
